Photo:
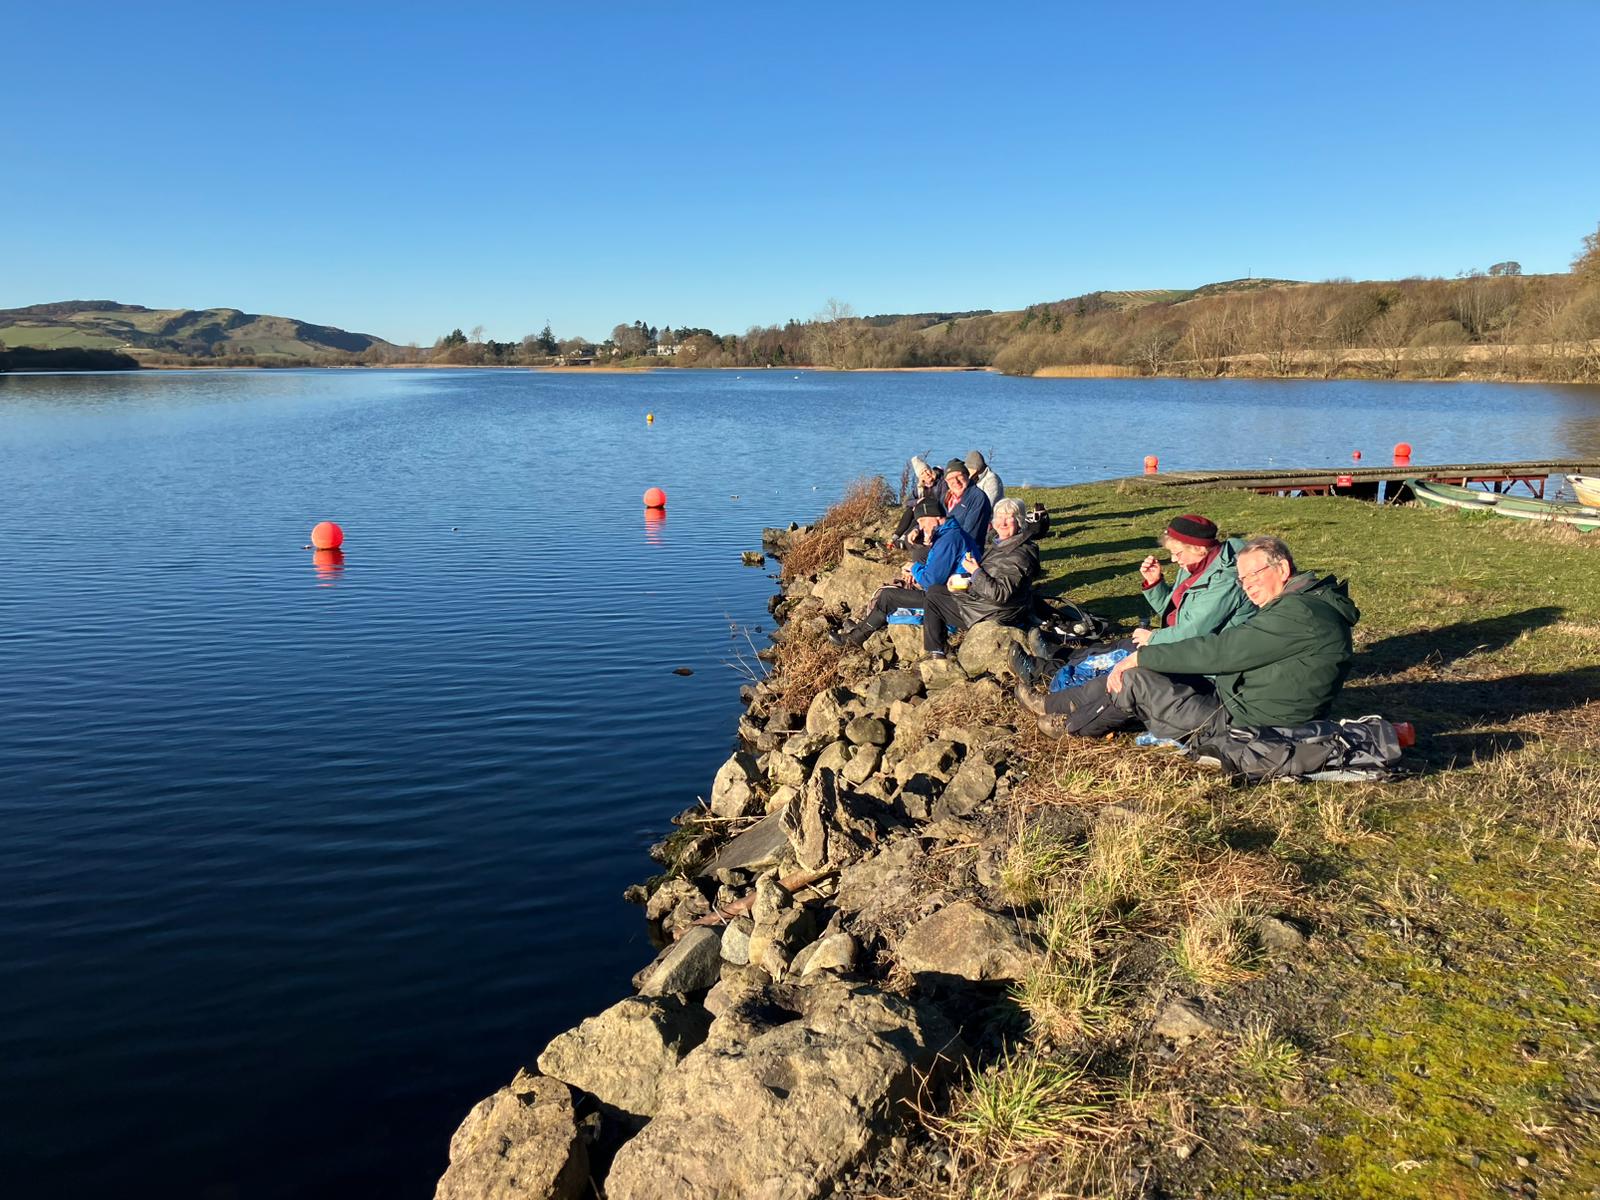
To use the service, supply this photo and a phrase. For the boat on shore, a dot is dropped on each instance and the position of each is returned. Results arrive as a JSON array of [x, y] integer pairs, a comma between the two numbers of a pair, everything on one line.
[[1586, 488], [1584, 518]]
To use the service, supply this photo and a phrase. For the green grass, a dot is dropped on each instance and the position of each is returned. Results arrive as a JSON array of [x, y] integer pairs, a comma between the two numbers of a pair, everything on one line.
[[56, 337], [1440, 1036]]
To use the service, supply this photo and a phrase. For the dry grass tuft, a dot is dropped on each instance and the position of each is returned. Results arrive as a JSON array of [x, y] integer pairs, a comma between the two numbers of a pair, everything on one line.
[[1215, 947], [808, 664], [822, 548]]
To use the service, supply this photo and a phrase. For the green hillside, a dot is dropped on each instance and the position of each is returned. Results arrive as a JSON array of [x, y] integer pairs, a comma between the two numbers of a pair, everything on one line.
[[154, 334]]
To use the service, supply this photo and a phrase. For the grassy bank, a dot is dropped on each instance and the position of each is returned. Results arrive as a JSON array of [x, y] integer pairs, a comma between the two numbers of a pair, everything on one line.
[[1438, 1031]]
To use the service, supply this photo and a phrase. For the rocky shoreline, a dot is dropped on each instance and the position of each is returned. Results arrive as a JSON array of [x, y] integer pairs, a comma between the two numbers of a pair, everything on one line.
[[823, 946]]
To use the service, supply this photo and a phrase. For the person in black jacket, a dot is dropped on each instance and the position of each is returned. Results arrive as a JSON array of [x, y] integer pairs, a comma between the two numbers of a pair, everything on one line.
[[1000, 588]]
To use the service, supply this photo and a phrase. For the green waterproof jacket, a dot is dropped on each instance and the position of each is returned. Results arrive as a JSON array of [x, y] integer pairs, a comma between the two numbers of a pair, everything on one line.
[[1212, 603], [1283, 666]]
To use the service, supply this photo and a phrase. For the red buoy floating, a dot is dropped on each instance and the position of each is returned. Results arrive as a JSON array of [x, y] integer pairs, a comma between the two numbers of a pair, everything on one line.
[[655, 498], [325, 535], [1152, 464], [1402, 453], [1355, 455]]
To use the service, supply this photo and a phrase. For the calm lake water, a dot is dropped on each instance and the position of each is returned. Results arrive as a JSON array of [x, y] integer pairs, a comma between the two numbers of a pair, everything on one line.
[[298, 861]]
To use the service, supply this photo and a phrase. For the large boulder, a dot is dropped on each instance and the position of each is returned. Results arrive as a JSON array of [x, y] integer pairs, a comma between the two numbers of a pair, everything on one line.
[[883, 689], [692, 965], [827, 825], [733, 791], [964, 941], [850, 586], [973, 784], [877, 888], [521, 1143], [827, 715], [781, 1111], [937, 759], [986, 648], [621, 1055]]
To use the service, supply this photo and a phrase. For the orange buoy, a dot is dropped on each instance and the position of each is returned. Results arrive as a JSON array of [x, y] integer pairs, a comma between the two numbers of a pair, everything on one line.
[[1152, 464], [655, 498], [325, 535], [1402, 452]]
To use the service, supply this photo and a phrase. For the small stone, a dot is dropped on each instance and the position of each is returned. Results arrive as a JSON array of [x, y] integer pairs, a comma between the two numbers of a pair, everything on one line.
[[939, 673], [736, 941], [863, 763], [963, 940], [1181, 1022], [1279, 936], [826, 717], [753, 558], [969, 787], [835, 952], [867, 731], [521, 1142]]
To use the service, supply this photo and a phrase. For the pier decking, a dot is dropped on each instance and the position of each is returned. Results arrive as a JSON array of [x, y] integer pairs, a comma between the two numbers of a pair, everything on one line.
[[1365, 482]]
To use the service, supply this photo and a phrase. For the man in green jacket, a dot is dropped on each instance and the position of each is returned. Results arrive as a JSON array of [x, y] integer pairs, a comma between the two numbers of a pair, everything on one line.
[[1283, 666]]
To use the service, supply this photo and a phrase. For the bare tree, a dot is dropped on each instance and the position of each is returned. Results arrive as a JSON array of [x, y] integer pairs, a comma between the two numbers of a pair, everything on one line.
[[477, 333]]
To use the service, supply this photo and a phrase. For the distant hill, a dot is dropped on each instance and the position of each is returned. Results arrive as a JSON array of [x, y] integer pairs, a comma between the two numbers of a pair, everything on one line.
[[155, 334]]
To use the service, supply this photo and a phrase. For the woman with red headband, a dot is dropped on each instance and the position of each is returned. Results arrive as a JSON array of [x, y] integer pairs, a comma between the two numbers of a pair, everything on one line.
[[1206, 598]]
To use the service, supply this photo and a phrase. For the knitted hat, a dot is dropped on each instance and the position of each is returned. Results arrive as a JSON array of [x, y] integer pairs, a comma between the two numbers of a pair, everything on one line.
[[918, 467], [928, 507], [955, 464], [1192, 530], [975, 462]]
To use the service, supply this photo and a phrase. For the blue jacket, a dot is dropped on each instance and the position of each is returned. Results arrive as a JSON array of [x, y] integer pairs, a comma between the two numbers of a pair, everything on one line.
[[972, 513], [950, 545]]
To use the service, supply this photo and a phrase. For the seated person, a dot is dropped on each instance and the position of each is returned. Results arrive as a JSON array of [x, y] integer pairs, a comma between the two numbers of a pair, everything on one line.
[[929, 482], [1283, 666], [984, 478], [1207, 599], [1000, 588], [967, 505], [949, 546]]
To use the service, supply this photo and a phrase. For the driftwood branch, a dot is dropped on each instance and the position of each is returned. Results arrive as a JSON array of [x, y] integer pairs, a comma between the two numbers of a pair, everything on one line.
[[789, 883]]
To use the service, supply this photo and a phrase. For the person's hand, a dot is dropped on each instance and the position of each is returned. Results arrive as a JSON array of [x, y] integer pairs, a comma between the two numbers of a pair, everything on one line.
[[1140, 637], [969, 564], [1150, 570], [1114, 680]]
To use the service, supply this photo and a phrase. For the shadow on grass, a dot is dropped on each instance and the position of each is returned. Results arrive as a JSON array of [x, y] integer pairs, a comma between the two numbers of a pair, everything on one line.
[[1148, 545], [1450, 643], [1452, 705]]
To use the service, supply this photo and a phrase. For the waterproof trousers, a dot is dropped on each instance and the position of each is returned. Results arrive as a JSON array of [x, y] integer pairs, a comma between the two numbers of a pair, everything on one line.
[[1169, 706]]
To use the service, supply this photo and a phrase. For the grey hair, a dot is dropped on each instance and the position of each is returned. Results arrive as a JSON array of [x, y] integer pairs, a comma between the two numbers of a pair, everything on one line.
[[1014, 507], [1276, 550]]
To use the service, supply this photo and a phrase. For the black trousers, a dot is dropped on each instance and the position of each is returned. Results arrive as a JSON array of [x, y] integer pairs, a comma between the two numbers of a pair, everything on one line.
[[937, 604], [1169, 706]]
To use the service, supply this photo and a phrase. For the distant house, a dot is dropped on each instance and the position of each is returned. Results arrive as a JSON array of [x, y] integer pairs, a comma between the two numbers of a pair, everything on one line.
[[585, 359], [665, 351]]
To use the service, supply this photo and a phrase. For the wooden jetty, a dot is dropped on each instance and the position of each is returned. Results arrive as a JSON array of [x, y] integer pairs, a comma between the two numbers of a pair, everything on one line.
[[1369, 483]]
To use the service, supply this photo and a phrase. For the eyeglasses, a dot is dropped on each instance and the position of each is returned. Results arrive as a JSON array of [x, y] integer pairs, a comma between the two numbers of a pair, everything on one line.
[[1267, 566]]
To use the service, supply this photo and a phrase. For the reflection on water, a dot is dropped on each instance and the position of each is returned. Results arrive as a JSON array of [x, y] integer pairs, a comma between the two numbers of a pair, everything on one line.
[[328, 565], [655, 523]]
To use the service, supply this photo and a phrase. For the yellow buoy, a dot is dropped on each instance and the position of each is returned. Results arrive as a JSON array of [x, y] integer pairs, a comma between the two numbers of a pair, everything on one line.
[[649, 418]]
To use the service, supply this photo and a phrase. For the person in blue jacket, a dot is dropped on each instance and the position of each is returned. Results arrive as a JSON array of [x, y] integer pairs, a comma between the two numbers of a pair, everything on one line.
[[964, 504], [950, 545]]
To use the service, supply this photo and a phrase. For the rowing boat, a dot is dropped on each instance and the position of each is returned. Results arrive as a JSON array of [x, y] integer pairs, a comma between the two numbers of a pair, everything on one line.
[[1586, 488], [1449, 495]]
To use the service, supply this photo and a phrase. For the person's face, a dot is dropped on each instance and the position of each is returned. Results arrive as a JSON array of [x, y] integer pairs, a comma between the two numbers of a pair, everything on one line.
[[1005, 525], [957, 481], [1185, 555], [926, 478], [1263, 580], [929, 526]]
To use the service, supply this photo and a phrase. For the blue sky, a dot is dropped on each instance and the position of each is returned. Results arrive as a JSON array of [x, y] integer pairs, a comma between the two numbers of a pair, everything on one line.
[[401, 169]]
